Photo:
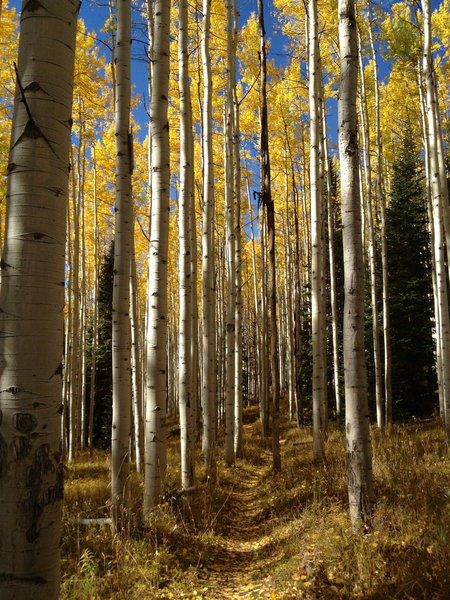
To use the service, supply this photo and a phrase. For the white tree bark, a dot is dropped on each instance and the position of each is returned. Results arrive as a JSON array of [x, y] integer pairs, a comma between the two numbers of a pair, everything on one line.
[[317, 239], [94, 310], [185, 395], [31, 301], [209, 383], [238, 395], [437, 325], [156, 387], [381, 197], [440, 208], [332, 266], [367, 203], [360, 486], [123, 245], [230, 208], [136, 367]]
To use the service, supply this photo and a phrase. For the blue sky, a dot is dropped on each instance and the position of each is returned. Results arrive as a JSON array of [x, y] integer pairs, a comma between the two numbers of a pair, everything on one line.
[[95, 12]]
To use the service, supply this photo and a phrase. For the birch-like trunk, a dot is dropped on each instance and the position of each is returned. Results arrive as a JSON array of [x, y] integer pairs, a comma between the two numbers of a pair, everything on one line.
[[94, 310], [332, 266], [437, 326], [123, 244], [156, 382], [319, 387], [32, 302], [440, 207], [360, 485], [238, 395], [230, 253], [381, 198], [136, 366], [184, 260], [267, 203], [367, 202], [209, 383]]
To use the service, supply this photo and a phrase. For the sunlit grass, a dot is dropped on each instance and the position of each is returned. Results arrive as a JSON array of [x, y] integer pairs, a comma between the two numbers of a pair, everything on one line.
[[304, 546]]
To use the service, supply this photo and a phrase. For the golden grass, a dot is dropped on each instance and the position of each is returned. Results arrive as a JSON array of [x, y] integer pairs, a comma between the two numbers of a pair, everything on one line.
[[303, 543]]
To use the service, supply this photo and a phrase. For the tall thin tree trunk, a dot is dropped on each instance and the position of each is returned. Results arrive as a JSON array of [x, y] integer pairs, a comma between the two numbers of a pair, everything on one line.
[[238, 396], [268, 204], [123, 244], [231, 222], [94, 310], [317, 249], [184, 261], [332, 266], [367, 202], [136, 366], [32, 302], [440, 208], [209, 377], [156, 382], [428, 189], [360, 485], [381, 197]]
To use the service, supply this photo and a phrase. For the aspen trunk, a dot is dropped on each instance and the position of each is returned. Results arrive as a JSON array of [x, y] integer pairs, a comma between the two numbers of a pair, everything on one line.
[[238, 393], [209, 381], [440, 208], [317, 248], [136, 366], [123, 244], [156, 382], [95, 313], [423, 111], [367, 202], [381, 197], [360, 486], [332, 266], [184, 261], [231, 228], [268, 204], [32, 301]]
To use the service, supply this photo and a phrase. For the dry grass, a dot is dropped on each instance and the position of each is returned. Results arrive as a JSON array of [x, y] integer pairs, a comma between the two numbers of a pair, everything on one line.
[[309, 552]]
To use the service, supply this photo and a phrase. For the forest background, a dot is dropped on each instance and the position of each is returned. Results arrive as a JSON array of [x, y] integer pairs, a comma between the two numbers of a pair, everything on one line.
[[405, 353]]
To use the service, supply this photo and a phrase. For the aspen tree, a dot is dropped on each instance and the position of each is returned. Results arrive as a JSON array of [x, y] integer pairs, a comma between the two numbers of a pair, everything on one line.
[[156, 371], [94, 310], [381, 199], [440, 207], [136, 366], [367, 201], [185, 395], [332, 267], [73, 365], [231, 220], [360, 486], [238, 396], [437, 336], [267, 203], [209, 381], [194, 322], [317, 235], [32, 300], [260, 379], [123, 244]]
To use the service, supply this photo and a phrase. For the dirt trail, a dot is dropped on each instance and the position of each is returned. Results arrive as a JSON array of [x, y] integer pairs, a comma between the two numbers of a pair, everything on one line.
[[237, 565]]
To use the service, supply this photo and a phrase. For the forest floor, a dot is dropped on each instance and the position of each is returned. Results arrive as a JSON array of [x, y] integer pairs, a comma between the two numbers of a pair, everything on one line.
[[255, 534]]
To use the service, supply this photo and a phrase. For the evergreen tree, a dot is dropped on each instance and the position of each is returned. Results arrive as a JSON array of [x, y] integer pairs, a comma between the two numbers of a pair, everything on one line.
[[103, 370], [409, 266]]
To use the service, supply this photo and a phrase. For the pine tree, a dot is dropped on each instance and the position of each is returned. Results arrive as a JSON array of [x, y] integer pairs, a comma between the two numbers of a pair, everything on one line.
[[103, 366], [413, 377]]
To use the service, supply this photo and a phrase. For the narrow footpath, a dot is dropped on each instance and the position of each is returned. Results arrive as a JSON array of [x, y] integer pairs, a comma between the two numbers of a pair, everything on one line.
[[239, 559]]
